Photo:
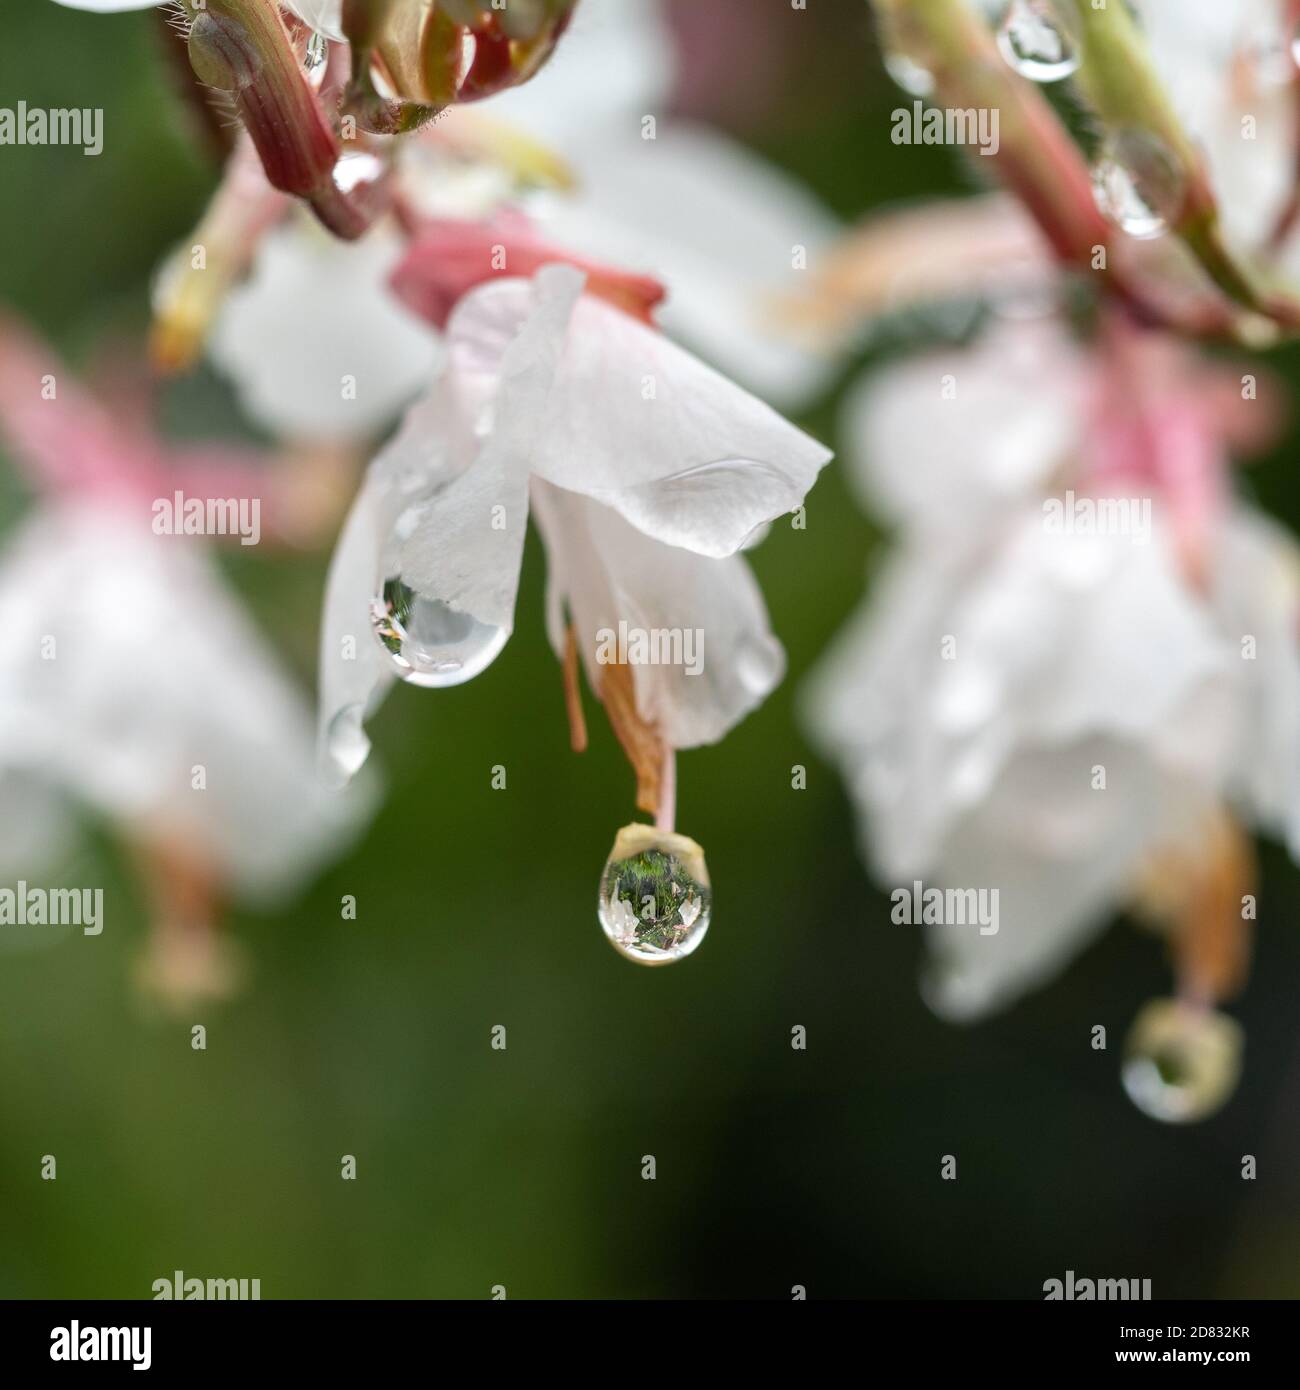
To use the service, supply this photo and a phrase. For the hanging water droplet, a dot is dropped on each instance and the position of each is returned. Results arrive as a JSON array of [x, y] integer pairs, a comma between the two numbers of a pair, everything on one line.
[[431, 643], [1181, 1063], [655, 900], [1040, 39], [1137, 184], [346, 744]]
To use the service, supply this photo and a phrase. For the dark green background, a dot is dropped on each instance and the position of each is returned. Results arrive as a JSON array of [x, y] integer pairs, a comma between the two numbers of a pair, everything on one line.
[[476, 908]]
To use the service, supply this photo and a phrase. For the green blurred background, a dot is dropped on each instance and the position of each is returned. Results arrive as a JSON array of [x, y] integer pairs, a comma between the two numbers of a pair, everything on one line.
[[475, 908]]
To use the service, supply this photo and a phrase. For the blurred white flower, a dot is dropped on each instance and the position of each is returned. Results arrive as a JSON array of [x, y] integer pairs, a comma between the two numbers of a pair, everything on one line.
[[132, 685], [1048, 710], [126, 665], [646, 470]]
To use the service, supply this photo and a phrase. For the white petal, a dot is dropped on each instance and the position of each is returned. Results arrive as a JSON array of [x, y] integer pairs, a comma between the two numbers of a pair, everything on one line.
[[461, 457], [1051, 901], [708, 615], [355, 673], [314, 312], [1056, 638], [110, 6], [721, 228], [686, 456], [157, 673], [325, 16], [1016, 416]]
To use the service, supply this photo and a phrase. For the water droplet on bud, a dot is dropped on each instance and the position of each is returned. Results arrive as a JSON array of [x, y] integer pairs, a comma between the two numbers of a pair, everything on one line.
[[1137, 184], [655, 900], [1181, 1062], [1040, 39]]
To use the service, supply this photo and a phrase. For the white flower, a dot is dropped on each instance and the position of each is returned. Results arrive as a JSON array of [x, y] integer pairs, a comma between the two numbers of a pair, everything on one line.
[[315, 343], [723, 229], [647, 472], [720, 227], [1002, 663], [125, 667]]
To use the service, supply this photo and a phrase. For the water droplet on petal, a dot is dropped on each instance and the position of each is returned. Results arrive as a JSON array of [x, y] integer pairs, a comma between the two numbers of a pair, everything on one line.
[[903, 63], [759, 665], [1137, 184], [655, 899], [1181, 1062], [429, 642], [908, 74], [346, 743], [1040, 39]]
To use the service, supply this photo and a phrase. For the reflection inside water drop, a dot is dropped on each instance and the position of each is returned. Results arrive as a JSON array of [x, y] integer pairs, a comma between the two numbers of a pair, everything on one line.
[[655, 900], [1040, 39], [429, 642], [1181, 1063], [1137, 185]]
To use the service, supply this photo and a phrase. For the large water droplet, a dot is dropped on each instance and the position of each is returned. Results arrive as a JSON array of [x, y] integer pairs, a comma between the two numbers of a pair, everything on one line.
[[655, 900], [1181, 1063], [1040, 39], [429, 642], [1137, 184]]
